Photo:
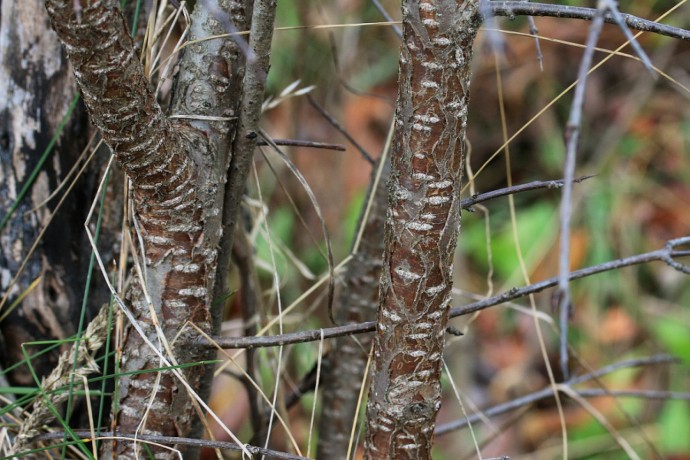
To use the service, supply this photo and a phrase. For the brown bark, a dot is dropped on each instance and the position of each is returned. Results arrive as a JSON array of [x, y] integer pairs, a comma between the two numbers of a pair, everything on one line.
[[421, 227], [209, 83], [357, 301], [259, 50], [175, 171]]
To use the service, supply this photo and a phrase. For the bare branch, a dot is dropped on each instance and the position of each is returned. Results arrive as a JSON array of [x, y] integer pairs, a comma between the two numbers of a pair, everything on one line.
[[664, 255], [247, 132], [611, 8], [340, 128], [645, 394], [535, 33], [548, 392], [535, 185], [170, 440], [307, 144], [572, 138], [520, 8]]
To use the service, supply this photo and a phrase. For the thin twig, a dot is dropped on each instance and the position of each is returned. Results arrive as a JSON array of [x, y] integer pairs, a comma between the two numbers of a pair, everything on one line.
[[611, 7], [548, 392], [330, 119], [664, 254], [535, 33], [572, 136], [520, 8], [646, 394], [254, 450], [537, 184], [308, 144], [254, 83]]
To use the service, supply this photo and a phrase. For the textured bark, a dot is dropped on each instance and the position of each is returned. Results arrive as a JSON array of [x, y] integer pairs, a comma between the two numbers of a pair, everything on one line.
[[244, 144], [421, 227], [37, 89], [209, 84], [357, 302], [174, 169]]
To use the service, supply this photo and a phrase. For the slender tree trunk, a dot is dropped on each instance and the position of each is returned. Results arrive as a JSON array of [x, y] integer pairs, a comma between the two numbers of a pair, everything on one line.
[[357, 302], [421, 226]]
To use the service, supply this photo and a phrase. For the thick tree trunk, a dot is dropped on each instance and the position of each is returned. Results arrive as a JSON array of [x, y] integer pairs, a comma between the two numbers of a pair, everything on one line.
[[421, 227]]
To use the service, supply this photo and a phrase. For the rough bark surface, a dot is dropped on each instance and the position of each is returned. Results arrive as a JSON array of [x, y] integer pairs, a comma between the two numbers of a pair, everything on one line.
[[421, 227], [37, 88], [357, 302], [176, 206], [259, 50], [209, 84]]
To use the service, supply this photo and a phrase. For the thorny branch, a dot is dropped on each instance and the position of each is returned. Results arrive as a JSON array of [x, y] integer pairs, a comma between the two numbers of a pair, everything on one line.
[[467, 203], [572, 135]]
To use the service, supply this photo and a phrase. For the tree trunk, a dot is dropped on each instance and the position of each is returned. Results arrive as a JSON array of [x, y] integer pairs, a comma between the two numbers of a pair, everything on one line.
[[357, 302], [39, 94], [421, 227], [176, 170]]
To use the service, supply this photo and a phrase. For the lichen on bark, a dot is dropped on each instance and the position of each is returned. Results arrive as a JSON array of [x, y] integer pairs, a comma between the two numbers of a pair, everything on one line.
[[421, 227]]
